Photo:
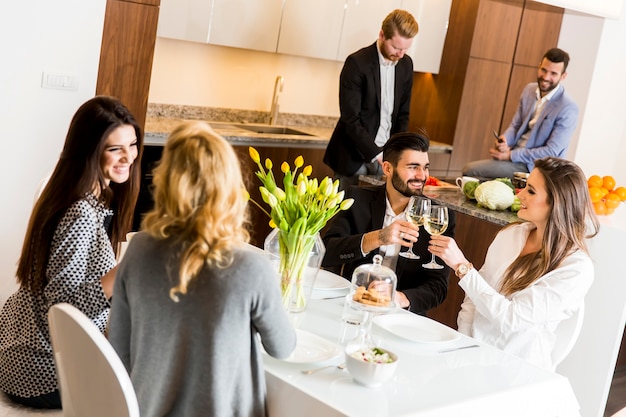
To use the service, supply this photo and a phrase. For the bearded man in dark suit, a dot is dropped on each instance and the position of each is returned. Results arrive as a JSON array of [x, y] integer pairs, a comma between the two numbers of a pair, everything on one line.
[[376, 224]]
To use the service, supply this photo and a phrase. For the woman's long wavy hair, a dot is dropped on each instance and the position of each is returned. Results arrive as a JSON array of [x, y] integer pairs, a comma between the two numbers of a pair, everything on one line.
[[199, 201], [571, 220], [77, 173]]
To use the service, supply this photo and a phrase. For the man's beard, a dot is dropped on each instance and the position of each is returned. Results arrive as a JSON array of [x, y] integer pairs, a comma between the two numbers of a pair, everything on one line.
[[403, 188], [551, 86]]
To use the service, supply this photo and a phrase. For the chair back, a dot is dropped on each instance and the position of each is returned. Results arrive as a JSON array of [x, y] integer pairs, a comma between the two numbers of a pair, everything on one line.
[[92, 379], [567, 333]]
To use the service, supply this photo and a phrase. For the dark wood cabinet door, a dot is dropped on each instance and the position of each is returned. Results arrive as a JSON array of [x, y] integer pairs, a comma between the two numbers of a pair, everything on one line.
[[127, 51]]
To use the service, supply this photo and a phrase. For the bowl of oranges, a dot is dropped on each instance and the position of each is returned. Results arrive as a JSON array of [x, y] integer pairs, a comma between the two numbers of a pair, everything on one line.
[[605, 195]]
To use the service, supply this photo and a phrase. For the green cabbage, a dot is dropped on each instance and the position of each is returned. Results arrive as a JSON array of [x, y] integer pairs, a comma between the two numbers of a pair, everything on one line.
[[469, 188], [494, 195]]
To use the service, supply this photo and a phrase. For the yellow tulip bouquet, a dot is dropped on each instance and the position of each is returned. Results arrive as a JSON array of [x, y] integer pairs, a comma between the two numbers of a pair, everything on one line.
[[299, 210]]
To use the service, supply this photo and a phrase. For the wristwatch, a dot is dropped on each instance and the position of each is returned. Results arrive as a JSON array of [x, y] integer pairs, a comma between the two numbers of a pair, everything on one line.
[[463, 269]]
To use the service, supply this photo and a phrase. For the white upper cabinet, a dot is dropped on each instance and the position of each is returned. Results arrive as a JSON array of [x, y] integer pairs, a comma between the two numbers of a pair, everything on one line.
[[432, 17], [325, 29], [188, 20], [603, 8], [361, 24], [311, 28], [250, 24]]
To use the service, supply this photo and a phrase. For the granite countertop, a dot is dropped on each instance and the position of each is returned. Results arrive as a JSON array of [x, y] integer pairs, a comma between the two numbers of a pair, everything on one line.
[[453, 198], [158, 128]]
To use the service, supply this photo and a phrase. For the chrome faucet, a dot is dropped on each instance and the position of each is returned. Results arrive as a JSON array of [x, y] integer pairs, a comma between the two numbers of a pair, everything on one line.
[[278, 88]]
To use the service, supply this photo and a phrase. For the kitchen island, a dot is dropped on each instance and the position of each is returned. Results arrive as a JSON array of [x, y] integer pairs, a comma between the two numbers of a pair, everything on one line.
[[276, 142]]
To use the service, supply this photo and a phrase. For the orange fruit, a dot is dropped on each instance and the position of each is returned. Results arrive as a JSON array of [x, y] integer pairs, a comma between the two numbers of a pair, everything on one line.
[[609, 211], [608, 182], [621, 192], [594, 181], [599, 208], [596, 194], [604, 191], [612, 201]]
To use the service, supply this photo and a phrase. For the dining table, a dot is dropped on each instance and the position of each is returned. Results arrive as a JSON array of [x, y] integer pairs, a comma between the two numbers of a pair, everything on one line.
[[440, 372]]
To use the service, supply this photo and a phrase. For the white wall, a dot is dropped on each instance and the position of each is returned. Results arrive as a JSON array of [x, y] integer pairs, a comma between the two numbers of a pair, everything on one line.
[[596, 80], [215, 76], [61, 36]]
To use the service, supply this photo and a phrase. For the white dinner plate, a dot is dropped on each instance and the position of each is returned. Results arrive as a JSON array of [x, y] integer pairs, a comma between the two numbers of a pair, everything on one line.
[[416, 328], [312, 348], [327, 281]]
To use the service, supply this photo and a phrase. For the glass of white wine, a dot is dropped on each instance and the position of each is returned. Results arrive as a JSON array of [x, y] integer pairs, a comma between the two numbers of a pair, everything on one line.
[[416, 211], [436, 222]]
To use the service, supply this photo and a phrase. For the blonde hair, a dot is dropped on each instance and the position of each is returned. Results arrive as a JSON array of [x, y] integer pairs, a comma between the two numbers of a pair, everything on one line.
[[199, 201], [399, 22], [571, 220]]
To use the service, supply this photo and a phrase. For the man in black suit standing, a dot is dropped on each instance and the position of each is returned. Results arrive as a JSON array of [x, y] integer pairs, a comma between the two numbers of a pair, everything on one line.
[[376, 224], [374, 100]]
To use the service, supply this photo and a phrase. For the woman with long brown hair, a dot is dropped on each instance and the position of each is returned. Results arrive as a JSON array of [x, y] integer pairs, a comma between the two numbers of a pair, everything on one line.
[[68, 255], [536, 273]]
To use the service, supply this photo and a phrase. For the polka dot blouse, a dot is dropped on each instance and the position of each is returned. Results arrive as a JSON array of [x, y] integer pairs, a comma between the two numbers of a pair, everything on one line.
[[80, 255]]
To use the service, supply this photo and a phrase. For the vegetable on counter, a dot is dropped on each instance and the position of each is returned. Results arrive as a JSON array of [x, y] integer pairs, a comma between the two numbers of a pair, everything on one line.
[[495, 195], [469, 188], [435, 181]]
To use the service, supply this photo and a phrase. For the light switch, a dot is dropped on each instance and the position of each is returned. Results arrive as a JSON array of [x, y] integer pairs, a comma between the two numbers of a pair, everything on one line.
[[59, 81]]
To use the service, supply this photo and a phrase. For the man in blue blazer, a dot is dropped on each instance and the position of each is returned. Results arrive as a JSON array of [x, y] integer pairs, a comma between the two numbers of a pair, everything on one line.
[[542, 126], [376, 224], [374, 99]]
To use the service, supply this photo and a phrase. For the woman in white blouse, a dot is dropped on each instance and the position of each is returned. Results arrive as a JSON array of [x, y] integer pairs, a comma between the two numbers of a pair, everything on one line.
[[83, 212], [536, 273]]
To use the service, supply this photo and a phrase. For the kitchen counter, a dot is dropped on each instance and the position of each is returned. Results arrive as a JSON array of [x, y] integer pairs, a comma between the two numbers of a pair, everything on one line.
[[158, 128], [454, 199]]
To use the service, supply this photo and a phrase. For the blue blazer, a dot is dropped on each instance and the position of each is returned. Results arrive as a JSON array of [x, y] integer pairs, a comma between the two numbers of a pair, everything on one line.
[[552, 132]]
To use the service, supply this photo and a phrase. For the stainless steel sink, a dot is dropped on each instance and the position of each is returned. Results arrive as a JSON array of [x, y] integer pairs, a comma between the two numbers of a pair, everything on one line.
[[272, 130]]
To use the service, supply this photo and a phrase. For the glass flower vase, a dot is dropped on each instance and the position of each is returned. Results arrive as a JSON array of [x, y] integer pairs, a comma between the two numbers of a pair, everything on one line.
[[297, 259]]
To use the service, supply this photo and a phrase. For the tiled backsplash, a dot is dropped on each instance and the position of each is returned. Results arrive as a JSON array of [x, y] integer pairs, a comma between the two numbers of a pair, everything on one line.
[[236, 115]]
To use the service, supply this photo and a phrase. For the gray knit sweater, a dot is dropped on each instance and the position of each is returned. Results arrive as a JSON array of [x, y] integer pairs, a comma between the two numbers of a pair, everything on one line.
[[200, 356]]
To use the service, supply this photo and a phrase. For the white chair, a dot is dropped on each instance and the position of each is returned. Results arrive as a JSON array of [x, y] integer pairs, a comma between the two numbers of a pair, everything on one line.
[[567, 333], [92, 379]]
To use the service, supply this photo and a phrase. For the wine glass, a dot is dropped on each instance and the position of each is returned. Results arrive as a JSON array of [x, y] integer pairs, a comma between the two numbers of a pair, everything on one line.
[[435, 223], [417, 209]]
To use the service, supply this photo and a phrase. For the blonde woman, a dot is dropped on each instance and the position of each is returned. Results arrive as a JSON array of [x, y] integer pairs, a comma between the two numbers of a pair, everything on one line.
[[189, 299], [536, 274]]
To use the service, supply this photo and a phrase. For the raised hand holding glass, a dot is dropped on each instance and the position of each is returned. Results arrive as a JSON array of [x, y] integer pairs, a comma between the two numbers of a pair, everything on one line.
[[435, 224], [416, 211]]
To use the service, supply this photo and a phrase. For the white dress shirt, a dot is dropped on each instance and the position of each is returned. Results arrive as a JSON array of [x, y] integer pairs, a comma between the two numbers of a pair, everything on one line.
[[387, 83], [524, 323]]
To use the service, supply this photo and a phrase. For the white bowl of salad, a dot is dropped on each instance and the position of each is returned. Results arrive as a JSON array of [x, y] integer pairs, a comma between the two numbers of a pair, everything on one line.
[[370, 366]]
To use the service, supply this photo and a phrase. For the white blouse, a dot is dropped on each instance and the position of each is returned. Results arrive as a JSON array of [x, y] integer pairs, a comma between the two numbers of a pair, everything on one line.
[[524, 323]]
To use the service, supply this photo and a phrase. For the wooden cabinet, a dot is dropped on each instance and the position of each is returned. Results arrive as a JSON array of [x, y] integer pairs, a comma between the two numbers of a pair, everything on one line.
[[491, 52], [128, 40]]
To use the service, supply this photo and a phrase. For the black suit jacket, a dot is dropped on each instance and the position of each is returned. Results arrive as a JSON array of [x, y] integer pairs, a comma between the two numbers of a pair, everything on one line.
[[352, 141], [424, 288]]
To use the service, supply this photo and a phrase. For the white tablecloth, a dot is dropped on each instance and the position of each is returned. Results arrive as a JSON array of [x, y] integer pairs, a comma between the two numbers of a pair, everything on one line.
[[480, 381]]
